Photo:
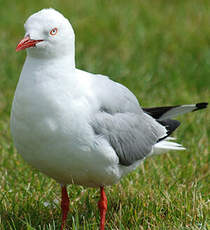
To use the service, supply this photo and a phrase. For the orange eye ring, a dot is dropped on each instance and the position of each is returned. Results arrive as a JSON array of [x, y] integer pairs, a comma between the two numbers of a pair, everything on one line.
[[53, 31]]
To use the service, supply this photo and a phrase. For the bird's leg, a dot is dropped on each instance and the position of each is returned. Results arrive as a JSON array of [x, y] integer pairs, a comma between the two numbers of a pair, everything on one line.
[[64, 205], [102, 205]]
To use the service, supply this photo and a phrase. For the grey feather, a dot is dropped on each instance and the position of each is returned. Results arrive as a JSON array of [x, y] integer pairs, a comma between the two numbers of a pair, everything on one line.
[[121, 121], [132, 136]]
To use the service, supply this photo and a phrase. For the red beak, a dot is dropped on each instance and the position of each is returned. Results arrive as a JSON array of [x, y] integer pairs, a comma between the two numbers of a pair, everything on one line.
[[26, 42]]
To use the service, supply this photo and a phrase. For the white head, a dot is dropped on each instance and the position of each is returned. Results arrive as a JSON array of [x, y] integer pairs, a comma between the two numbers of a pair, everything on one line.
[[48, 35]]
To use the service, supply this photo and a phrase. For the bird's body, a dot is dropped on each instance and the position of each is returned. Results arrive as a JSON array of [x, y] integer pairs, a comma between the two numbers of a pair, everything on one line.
[[54, 119], [78, 127]]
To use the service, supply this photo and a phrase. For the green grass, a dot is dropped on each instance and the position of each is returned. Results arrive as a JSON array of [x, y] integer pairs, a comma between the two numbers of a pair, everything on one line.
[[161, 51]]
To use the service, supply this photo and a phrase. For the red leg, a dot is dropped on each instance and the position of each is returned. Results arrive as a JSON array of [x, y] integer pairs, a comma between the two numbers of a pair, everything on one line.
[[102, 205], [64, 205]]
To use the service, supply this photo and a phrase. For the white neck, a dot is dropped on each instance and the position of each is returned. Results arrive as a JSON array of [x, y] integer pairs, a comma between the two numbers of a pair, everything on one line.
[[66, 59], [53, 65]]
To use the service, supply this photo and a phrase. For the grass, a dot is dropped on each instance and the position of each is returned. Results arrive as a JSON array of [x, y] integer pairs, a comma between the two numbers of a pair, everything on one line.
[[161, 51]]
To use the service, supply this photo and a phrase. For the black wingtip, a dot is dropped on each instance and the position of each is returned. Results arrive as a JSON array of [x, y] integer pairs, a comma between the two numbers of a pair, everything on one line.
[[202, 105], [170, 126]]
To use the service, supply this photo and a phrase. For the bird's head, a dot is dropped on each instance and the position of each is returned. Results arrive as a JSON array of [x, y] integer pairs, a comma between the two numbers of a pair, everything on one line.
[[48, 34]]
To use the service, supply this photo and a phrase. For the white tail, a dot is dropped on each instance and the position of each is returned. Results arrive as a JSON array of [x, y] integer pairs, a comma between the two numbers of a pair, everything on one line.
[[165, 145]]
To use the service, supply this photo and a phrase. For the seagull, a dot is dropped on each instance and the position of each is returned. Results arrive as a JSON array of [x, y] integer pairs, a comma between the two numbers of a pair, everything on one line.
[[78, 127]]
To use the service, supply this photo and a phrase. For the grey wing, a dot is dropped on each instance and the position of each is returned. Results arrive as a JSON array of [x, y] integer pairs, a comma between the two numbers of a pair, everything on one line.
[[120, 120], [132, 136]]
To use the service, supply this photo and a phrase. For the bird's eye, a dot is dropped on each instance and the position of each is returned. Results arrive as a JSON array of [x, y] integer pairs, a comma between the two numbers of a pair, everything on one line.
[[53, 31]]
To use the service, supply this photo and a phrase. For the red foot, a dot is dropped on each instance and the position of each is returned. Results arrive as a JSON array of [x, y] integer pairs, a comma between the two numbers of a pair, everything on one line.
[[64, 206], [102, 205]]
